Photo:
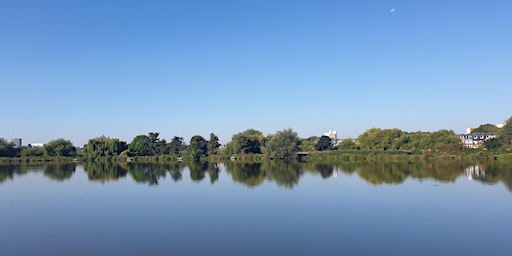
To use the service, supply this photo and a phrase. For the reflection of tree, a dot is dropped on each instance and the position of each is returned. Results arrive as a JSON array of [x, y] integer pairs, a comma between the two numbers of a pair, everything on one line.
[[197, 170], [213, 172], [397, 173], [175, 169], [285, 174], [60, 171], [7, 172], [245, 173], [324, 169], [496, 172], [383, 173], [147, 173], [105, 171]]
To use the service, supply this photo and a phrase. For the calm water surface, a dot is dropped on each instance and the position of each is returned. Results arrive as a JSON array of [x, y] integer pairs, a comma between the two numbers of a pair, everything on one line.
[[438, 208]]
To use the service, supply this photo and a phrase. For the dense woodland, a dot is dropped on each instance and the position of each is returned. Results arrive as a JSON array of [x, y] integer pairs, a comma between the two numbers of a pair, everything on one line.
[[284, 144]]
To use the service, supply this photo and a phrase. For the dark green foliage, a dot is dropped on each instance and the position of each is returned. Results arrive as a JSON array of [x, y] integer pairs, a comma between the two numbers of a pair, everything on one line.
[[149, 145], [347, 144], [103, 147], [486, 128], [31, 152], [176, 145], [140, 146], [246, 142], [324, 143], [7, 149], [213, 144], [492, 143], [283, 145], [395, 139], [505, 135], [59, 147], [198, 146]]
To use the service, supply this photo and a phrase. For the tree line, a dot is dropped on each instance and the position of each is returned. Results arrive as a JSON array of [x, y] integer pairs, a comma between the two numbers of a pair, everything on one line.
[[284, 144]]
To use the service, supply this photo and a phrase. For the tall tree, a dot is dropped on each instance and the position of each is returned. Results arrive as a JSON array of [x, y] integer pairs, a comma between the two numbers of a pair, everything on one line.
[[283, 145], [176, 145], [103, 146], [197, 147], [505, 135], [324, 143], [7, 148], [247, 142], [140, 146], [213, 144], [59, 147]]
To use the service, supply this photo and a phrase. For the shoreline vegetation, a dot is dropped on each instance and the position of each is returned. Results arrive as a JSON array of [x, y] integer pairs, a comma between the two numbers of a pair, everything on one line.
[[333, 156], [251, 145]]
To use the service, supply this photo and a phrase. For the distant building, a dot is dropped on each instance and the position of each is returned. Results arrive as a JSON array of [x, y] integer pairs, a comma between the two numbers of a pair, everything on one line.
[[36, 145], [475, 140], [332, 134], [16, 142]]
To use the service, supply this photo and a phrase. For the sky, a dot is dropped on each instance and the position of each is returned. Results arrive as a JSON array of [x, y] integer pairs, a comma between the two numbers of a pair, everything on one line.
[[82, 69]]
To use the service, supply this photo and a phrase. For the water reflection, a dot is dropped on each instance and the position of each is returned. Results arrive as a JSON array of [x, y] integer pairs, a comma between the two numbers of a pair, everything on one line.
[[59, 172], [284, 174], [104, 172], [493, 173]]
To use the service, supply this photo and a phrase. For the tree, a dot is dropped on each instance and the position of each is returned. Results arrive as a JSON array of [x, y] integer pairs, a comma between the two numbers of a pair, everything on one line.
[[283, 145], [140, 146], [246, 142], [157, 146], [198, 146], [308, 144], [213, 144], [59, 147], [347, 144], [176, 145], [505, 135], [103, 147], [324, 143], [7, 149], [486, 128]]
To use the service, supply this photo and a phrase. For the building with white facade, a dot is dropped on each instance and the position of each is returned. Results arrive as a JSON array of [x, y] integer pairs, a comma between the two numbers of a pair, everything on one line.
[[475, 140]]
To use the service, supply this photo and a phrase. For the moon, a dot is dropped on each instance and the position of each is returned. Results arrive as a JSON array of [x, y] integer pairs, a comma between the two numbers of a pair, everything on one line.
[[392, 10]]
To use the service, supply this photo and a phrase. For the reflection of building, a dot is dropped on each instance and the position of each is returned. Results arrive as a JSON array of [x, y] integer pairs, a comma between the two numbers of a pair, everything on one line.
[[16, 142], [475, 171], [475, 140], [335, 171]]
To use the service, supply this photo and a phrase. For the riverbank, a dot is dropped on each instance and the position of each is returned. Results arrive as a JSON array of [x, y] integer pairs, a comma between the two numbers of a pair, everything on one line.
[[320, 156]]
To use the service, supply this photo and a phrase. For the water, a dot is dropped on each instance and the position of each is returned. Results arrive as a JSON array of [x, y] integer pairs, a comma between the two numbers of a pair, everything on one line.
[[437, 208]]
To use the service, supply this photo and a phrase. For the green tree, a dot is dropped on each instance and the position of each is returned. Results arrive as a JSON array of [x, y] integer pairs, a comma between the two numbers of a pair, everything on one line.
[[347, 144], [505, 135], [103, 147], [308, 144], [176, 145], [492, 143], [486, 128], [246, 142], [283, 145], [198, 146], [28, 152], [7, 148], [324, 143], [157, 146], [213, 144], [59, 147], [140, 146]]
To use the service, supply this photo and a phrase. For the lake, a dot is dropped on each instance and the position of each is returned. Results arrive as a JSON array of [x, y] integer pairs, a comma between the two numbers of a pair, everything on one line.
[[274, 208]]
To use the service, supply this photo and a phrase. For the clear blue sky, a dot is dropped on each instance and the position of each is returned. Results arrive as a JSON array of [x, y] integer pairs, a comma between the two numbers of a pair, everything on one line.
[[82, 69]]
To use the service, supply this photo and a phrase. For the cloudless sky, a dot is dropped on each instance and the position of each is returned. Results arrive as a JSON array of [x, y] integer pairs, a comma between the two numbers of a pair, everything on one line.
[[83, 69]]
